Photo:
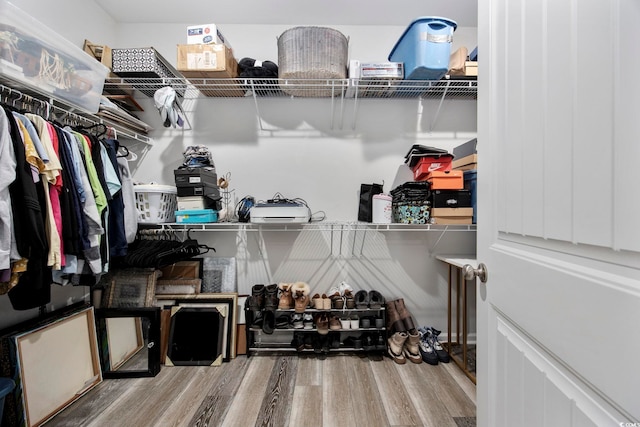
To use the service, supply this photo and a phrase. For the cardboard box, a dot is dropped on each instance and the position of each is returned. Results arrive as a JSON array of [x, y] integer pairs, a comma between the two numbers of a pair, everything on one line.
[[241, 341], [206, 34], [206, 61], [210, 61], [382, 70], [101, 52], [446, 180], [451, 220], [471, 68], [465, 163], [449, 216]]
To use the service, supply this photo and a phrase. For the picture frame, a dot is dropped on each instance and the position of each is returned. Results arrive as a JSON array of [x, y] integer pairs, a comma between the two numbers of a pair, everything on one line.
[[224, 302], [132, 288], [218, 275], [197, 335], [130, 341], [45, 385]]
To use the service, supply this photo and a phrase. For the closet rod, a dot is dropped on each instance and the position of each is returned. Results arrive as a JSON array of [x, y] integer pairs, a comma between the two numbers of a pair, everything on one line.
[[49, 108]]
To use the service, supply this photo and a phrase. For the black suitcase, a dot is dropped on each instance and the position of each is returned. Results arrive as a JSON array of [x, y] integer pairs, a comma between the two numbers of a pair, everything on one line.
[[195, 177], [451, 199]]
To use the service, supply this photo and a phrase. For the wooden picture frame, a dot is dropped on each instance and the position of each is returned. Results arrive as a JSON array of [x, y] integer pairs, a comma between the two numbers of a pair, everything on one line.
[[224, 302], [56, 364], [132, 288]]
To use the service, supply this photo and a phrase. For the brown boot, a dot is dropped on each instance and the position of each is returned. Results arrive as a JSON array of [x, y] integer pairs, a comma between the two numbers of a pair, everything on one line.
[[300, 293], [396, 346], [394, 322], [411, 347], [286, 300], [404, 314]]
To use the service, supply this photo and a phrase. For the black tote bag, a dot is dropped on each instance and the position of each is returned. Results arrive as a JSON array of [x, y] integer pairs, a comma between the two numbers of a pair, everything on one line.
[[367, 191]]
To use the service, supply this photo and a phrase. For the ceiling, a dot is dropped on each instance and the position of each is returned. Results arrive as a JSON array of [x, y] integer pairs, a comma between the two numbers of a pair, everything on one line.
[[290, 12]]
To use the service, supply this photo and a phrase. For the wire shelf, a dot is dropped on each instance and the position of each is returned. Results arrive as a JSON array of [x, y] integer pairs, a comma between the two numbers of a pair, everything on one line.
[[451, 88]]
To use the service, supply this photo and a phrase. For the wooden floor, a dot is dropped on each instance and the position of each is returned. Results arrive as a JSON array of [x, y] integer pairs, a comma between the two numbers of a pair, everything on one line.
[[283, 390]]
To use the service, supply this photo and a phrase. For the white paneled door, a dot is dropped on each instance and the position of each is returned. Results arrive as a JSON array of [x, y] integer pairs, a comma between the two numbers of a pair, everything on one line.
[[559, 213]]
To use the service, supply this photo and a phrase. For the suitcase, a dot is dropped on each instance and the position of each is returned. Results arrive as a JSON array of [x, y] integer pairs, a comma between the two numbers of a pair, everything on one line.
[[451, 199]]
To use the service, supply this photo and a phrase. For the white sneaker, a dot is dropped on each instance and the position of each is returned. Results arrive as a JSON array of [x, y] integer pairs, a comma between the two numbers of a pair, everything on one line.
[[344, 286], [307, 321], [296, 321], [334, 291]]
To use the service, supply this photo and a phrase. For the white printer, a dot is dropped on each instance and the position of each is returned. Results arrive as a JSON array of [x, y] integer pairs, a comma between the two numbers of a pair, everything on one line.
[[279, 212]]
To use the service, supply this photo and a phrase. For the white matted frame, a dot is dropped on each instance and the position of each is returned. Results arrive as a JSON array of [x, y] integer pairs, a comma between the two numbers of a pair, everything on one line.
[[124, 336], [57, 364]]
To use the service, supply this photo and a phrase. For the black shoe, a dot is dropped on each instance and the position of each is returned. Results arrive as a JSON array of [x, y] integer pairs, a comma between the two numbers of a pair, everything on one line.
[[432, 336], [427, 352], [298, 341], [362, 299], [268, 321], [282, 322], [368, 344]]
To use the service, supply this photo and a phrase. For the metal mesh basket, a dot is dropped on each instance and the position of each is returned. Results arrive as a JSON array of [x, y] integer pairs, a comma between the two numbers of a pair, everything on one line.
[[312, 53]]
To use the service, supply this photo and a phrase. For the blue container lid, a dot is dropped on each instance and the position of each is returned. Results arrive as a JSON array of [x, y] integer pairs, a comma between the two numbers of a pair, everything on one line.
[[422, 20], [6, 386]]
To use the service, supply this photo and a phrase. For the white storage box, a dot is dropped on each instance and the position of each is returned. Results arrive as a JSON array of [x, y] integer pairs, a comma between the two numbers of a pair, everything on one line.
[[37, 59], [206, 34], [155, 203]]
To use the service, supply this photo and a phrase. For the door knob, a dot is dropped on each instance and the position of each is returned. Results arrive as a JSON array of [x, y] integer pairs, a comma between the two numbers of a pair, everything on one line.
[[471, 273]]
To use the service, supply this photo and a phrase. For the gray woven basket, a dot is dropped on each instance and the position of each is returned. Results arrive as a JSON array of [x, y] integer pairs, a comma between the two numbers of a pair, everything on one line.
[[312, 53]]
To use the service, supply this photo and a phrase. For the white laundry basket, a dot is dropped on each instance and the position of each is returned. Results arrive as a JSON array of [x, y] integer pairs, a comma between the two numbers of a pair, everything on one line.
[[155, 203]]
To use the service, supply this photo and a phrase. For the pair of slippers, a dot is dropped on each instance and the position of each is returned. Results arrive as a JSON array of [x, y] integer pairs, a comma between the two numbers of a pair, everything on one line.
[[369, 299]]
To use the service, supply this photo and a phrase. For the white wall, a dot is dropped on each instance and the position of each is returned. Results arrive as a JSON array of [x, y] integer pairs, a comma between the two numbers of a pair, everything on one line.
[[302, 155]]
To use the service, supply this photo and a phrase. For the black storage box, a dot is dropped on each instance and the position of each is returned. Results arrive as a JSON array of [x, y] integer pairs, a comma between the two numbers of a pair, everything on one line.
[[200, 190], [195, 177], [451, 199]]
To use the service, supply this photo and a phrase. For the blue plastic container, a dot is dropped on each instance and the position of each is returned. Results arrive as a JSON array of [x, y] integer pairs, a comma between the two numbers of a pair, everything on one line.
[[470, 183], [425, 47], [196, 216]]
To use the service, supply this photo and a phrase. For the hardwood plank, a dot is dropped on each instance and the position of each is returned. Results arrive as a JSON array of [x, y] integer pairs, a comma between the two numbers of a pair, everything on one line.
[[306, 406], [449, 392], [425, 396], [275, 408], [396, 400], [337, 408], [244, 409], [142, 394], [462, 380], [279, 390], [368, 407], [221, 392], [89, 406], [309, 371]]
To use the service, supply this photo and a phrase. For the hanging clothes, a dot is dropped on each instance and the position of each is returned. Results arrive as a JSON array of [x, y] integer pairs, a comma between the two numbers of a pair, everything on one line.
[[31, 275]]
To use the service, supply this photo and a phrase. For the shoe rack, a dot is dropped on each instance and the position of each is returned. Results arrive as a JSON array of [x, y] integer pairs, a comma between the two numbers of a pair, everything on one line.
[[368, 335]]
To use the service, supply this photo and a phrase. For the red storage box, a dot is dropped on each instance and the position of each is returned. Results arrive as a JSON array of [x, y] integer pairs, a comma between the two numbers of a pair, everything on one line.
[[428, 164], [446, 180]]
